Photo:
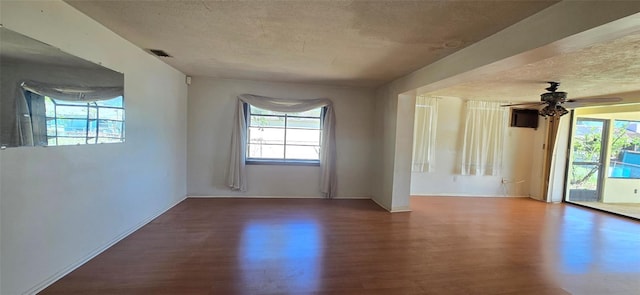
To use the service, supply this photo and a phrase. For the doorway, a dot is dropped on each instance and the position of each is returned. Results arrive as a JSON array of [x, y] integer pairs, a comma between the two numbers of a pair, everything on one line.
[[603, 170], [588, 147]]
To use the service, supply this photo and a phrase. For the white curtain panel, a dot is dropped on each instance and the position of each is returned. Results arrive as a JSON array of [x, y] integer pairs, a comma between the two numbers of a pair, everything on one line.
[[484, 130], [424, 134], [236, 174]]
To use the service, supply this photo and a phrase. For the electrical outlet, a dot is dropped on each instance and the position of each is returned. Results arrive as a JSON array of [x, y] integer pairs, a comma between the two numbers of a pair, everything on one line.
[[635, 191]]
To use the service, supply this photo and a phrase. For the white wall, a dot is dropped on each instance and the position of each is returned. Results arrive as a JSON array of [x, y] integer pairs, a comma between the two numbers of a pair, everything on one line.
[[384, 148], [61, 205], [618, 190], [403, 146], [446, 180], [212, 103]]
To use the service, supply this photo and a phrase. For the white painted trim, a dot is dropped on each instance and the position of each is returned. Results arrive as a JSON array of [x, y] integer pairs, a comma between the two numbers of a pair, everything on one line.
[[400, 209], [278, 197], [65, 271], [467, 196]]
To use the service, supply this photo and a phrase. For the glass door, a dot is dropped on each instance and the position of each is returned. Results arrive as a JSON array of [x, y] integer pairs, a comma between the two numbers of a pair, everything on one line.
[[588, 147]]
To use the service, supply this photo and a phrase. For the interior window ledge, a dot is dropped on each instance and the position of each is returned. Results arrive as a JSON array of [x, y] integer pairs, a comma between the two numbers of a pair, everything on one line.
[[283, 162]]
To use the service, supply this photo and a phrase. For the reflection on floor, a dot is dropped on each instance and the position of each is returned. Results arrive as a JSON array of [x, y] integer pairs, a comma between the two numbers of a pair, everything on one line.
[[626, 209]]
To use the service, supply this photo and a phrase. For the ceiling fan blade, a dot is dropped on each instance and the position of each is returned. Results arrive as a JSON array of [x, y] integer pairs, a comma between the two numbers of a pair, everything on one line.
[[595, 101], [523, 104]]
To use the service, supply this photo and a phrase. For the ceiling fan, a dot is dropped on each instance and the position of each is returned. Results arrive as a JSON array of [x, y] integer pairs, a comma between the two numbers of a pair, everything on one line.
[[556, 102]]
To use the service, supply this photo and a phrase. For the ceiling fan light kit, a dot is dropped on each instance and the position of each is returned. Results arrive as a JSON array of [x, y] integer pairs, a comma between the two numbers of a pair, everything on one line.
[[553, 101], [551, 97], [553, 111]]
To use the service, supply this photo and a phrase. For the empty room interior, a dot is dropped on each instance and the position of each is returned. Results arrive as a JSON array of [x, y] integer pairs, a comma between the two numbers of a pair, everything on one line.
[[319, 147]]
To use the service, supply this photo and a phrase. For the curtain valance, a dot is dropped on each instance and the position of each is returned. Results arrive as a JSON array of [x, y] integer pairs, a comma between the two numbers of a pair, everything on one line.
[[72, 93]]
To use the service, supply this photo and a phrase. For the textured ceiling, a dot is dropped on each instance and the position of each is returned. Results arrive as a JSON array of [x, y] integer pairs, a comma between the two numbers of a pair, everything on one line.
[[599, 70], [356, 43]]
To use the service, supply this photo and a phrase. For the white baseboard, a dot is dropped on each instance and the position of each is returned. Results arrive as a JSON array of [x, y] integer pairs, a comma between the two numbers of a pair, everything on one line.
[[466, 196], [63, 272], [400, 209], [278, 197]]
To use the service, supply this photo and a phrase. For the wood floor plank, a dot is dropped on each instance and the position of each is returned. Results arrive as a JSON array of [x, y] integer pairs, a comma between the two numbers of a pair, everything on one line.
[[445, 245]]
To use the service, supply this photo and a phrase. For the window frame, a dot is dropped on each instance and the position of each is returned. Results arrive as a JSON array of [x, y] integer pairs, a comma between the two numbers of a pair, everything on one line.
[[284, 161], [88, 138], [610, 167]]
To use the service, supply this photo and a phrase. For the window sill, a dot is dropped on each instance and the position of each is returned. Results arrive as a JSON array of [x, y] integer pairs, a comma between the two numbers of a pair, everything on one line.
[[282, 162]]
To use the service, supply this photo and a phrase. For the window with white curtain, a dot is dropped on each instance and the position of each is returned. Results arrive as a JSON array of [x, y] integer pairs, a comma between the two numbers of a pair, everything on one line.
[[484, 130], [424, 134], [236, 173]]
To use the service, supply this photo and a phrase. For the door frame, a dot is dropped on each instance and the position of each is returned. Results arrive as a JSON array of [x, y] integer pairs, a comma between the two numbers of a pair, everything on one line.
[[604, 142]]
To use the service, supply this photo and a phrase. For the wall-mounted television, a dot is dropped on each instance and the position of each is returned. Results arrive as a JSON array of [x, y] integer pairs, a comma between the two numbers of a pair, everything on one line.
[[525, 118]]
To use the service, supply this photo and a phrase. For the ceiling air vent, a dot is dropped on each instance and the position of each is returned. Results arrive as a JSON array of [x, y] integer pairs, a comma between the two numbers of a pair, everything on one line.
[[159, 52]]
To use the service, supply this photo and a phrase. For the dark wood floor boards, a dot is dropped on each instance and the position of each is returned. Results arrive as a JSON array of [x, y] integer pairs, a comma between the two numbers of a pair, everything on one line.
[[446, 245]]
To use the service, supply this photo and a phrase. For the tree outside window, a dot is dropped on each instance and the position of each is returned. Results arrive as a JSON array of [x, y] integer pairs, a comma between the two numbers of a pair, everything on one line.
[[625, 153]]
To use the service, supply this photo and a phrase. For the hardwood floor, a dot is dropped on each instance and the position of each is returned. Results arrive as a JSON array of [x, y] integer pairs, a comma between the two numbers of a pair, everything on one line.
[[308, 246], [625, 209]]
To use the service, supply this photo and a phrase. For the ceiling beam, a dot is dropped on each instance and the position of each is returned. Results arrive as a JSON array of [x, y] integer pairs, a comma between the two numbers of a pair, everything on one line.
[[563, 27]]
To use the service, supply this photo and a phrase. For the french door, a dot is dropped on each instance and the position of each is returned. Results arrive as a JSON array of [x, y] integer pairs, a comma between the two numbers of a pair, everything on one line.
[[588, 149]]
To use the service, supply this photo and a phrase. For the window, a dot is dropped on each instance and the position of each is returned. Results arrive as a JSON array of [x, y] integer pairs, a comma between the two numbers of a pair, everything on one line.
[[71, 122], [625, 150], [296, 132], [275, 137]]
